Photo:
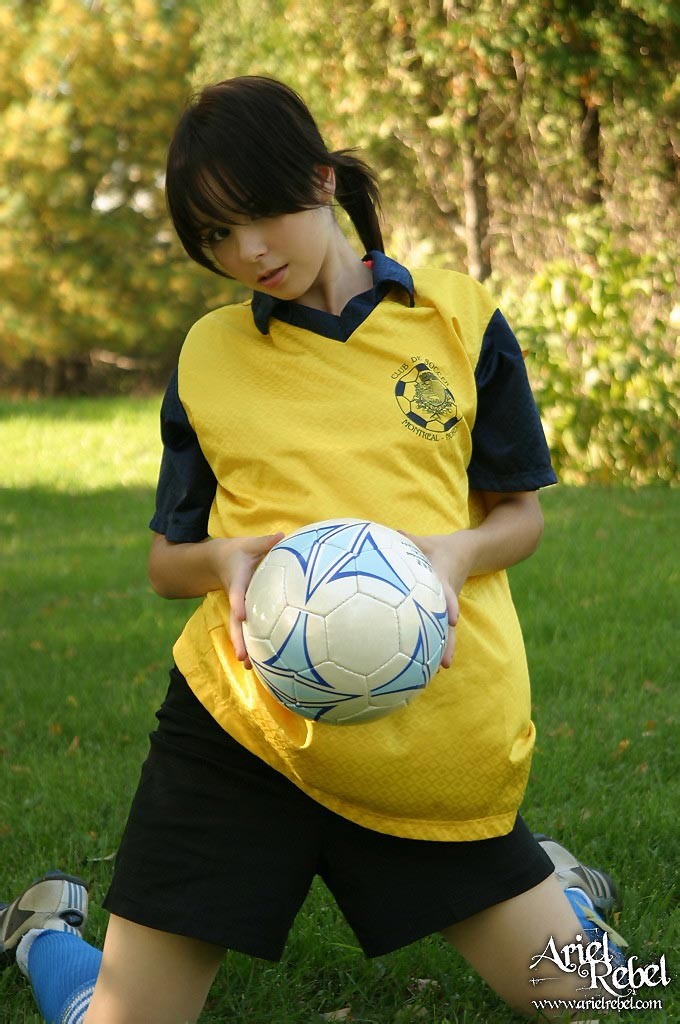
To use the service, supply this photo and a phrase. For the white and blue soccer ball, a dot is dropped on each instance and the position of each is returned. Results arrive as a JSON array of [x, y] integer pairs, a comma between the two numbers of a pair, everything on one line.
[[346, 621]]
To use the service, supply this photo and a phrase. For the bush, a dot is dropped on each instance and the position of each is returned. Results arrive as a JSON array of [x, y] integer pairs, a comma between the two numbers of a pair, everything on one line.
[[600, 332]]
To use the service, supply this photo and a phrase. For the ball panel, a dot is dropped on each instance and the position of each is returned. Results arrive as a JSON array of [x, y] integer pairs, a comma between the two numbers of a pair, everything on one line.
[[391, 591], [357, 715], [342, 680], [422, 632], [259, 648], [303, 696], [420, 565], [266, 599], [299, 639], [326, 598], [400, 675], [362, 634]]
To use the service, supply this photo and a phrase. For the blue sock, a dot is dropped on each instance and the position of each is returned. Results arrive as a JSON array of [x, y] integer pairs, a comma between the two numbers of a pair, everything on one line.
[[583, 906], [63, 969]]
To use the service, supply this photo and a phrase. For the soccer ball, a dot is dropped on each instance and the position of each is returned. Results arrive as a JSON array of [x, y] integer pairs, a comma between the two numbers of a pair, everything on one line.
[[346, 621]]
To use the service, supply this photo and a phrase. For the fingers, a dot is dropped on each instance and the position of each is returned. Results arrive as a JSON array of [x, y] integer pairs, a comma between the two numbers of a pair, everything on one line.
[[254, 549], [447, 657], [237, 613], [452, 609], [236, 635], [238, 640], [261, 545], [451, 605], [436, 551]]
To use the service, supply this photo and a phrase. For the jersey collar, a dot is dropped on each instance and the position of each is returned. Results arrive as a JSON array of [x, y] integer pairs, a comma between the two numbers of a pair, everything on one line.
[[386, 273]]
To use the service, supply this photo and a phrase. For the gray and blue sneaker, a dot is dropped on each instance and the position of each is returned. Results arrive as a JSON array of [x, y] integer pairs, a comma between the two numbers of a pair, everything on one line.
[[591, 892], [55, 901], [597, 885]]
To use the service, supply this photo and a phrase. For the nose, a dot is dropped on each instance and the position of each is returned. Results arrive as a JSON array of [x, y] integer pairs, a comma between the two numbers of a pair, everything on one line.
[[252, 244]]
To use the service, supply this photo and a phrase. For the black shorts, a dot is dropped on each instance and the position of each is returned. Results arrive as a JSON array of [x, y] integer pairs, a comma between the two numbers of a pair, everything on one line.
[[221, 847]]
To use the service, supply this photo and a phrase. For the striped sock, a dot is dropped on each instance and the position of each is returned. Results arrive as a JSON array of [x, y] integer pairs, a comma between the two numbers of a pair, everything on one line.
[[63, 969], [75, 1009]]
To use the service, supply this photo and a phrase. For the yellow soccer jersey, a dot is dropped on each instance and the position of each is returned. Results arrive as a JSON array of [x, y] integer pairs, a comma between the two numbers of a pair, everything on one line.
[[297, 428]]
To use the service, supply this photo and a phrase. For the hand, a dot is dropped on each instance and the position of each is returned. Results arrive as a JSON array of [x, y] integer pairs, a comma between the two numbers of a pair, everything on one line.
[[234, 562], [451, 557]]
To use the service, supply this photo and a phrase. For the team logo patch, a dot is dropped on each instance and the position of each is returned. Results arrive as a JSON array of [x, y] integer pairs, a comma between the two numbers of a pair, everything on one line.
[[426, 400]]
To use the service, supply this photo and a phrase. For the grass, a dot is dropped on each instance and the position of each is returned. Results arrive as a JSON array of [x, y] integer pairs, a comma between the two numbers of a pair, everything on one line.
[[84, 648]]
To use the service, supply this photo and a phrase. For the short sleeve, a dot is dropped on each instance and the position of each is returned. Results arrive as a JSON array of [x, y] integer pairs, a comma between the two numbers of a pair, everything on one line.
[[509, 449], [186, 483]]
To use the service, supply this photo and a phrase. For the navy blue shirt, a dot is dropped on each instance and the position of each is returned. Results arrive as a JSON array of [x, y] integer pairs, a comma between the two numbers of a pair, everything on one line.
[[509, 450]]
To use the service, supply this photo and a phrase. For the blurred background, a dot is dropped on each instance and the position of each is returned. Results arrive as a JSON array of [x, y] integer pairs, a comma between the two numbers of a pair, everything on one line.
[[533, 143]]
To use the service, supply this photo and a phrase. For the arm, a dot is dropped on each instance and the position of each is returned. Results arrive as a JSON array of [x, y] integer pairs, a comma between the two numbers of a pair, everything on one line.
[[194, 569], [191, 564], [510, 532], [510, 461]]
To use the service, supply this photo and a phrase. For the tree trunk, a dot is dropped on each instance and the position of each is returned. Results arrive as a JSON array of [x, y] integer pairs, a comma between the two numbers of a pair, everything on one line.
[[476, 196], [591, 150]]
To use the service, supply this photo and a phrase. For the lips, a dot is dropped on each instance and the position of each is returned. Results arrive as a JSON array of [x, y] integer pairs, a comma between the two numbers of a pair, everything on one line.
[[271, 278]]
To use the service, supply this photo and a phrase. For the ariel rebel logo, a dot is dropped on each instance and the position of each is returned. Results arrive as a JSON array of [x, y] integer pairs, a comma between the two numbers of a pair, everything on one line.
[[603, 968]]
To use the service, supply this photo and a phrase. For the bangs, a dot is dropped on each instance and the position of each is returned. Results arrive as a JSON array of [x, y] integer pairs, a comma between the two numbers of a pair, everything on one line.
[[231, 159]]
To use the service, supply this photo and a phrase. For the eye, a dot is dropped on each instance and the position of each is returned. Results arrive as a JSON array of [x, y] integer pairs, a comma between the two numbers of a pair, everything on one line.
[[213, 236]]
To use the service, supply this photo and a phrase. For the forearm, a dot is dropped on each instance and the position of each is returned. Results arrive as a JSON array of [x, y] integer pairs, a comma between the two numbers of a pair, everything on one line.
[[183, 570], [220, 563], [510, 532]]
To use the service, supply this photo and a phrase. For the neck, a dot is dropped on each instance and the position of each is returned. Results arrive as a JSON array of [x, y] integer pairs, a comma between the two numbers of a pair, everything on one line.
[[342, 276]]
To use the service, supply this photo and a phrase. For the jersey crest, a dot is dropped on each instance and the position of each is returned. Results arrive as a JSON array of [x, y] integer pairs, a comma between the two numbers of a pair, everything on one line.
[[426, 400]]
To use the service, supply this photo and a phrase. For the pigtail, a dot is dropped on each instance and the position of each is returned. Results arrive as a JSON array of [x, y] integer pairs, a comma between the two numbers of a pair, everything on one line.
[[357, 191]]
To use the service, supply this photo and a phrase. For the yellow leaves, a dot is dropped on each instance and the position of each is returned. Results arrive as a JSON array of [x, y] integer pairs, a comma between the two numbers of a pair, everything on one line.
[[621, 748], [37, 132], [107, 82], [648, 731], [41, 73]]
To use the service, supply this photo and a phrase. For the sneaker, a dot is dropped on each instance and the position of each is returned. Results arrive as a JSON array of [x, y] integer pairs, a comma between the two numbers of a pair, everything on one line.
[[54, 901], [597, 885]]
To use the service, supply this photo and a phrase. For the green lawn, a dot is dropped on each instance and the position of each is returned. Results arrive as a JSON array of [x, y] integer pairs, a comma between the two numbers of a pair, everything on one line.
[[84, 649]]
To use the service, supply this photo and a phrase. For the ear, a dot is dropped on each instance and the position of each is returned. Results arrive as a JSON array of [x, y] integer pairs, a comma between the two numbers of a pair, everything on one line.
[[327, 177]]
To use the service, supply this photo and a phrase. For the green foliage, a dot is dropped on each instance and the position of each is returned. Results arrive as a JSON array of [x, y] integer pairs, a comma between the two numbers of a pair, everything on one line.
[[89, 95], [536, 139], [601, 334]]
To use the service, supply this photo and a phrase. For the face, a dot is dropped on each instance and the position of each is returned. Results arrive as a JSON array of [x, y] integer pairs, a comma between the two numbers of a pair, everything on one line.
[[282, 256]]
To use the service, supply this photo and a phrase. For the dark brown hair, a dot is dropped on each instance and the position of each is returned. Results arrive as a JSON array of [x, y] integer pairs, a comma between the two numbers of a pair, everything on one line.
[[250, 147]]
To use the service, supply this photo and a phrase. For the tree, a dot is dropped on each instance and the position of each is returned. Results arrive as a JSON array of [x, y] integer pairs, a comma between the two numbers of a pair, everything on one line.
[[89, 96], [421, 85], [591, 56]]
